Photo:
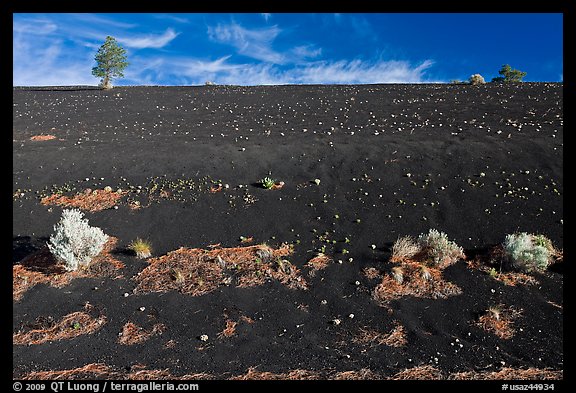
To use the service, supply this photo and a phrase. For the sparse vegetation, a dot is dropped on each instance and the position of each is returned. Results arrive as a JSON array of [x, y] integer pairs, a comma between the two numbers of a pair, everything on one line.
[[142, 248], [75, 242]]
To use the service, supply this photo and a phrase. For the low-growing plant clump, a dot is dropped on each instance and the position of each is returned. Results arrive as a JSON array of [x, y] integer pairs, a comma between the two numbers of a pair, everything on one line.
[[418, 270], [197, 271], [88, 200], [70, 326], [499, 320], [142, 248], [133, 334]]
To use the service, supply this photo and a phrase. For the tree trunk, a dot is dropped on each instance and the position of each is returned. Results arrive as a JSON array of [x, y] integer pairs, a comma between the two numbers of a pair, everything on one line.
[[106, 83]]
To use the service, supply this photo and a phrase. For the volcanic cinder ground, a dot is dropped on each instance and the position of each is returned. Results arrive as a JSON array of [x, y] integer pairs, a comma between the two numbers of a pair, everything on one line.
[[477, 162]]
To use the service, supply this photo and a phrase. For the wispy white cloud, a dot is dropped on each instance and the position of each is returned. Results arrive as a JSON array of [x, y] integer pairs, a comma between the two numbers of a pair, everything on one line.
[[34, 26], [97, 20], [46, 65], [266, 16], [254, 43], [197, 71], [149, 40], [306, 52]]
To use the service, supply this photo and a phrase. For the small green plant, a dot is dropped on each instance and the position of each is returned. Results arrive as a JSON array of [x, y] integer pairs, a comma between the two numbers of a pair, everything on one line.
[[267, 183], [438, 248], [528, 252], [142, 248], [76, 326], [493, 273]]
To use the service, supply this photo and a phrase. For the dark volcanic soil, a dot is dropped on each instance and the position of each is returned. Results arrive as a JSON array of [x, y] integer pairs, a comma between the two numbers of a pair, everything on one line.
[[475, 162]]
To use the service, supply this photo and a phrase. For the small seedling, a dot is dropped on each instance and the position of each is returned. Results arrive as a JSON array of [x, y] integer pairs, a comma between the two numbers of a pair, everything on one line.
[[493, 273], [317, 181], [76, 325], [267, 183]]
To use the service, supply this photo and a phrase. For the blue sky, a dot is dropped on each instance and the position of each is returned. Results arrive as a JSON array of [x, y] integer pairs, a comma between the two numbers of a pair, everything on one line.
[[255, 49]]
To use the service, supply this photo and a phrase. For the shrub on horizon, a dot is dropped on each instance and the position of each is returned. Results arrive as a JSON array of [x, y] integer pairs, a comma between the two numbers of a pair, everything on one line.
[[476, 79], [75, 242]]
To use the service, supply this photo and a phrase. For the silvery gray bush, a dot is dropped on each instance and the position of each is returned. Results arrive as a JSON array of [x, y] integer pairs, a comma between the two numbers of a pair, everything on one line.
[[75, 242], [439, 248], [526, 251]]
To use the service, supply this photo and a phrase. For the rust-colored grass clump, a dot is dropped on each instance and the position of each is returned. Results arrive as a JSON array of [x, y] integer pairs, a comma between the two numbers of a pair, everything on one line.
[[395, 338], [70, 326], [41, 267], [317, 263], [40, 138], [419, 373], [197, 271], [230, 329], [102, 371], [254, 374], [499, 320], [426, 372], [133, 334], [510, 374], [412, 278], [88, 200]]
